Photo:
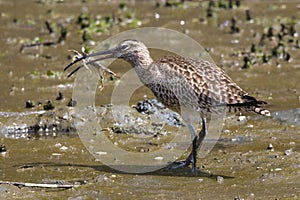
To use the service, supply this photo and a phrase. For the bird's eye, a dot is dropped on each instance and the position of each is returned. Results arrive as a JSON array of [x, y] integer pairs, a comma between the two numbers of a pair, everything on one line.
[[124, 46]]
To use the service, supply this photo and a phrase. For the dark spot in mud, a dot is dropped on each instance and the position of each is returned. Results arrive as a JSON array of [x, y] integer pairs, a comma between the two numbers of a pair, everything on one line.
[[234, 28], [49, 105], [253, 48], [3, 148], [174, 4], [25, 167], [248, 15], [270, 33], [86, 36], [265, 58], [29, 104], [262, 40], [63, 34], [49, 26], [210, 9], [60, 96], [72, 103], [214, 6], [247, 62], [122, 5]]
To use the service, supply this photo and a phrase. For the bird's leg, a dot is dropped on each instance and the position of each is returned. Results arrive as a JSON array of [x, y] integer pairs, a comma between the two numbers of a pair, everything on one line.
[[192, 158]]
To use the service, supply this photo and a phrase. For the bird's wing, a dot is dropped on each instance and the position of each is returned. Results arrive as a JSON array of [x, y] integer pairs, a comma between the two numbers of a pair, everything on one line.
[[209, 83]]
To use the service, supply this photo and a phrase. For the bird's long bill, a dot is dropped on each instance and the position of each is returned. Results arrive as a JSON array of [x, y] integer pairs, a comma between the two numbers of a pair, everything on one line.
[[109, 54]]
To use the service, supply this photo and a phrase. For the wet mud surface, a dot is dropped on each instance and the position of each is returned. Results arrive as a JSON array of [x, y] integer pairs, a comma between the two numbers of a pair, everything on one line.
[[255, 157]]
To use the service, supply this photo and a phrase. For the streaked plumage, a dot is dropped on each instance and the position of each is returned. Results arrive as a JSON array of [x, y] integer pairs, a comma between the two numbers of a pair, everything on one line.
[[211, 85]]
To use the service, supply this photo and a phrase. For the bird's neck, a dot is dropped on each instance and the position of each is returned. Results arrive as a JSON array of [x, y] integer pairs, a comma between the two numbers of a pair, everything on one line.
[[141, 67], [141, 61]]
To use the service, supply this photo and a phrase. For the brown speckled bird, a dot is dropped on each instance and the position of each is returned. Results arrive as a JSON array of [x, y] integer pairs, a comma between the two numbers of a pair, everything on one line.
[[180, 82]]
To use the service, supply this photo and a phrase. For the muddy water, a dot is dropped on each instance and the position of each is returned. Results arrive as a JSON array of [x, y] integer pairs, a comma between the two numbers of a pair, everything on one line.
[[250, 171]]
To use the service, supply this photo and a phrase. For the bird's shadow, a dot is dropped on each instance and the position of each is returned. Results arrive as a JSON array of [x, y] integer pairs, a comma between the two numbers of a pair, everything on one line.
[[179, 172]]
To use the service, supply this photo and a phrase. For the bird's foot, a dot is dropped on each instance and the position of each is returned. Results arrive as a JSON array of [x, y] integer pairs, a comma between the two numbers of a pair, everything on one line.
[[178, 164], [184, 164], [181, 163], [195, 170]]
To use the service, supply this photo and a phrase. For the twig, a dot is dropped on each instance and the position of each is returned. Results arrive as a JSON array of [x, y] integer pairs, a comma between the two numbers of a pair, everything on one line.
[[47, 43], [61, 38], [41, 185]]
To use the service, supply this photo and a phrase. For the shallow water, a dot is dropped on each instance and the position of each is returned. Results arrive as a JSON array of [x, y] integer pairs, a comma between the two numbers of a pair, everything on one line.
[[250, 171]]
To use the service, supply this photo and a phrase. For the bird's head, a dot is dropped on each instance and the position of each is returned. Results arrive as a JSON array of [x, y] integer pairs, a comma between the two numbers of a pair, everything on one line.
[[132, 51]]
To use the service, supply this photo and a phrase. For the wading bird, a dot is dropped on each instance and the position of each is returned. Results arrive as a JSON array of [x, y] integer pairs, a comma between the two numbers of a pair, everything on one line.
[[180, 82]]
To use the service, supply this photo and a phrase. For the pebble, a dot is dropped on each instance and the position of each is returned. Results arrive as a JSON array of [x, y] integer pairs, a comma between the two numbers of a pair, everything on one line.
[[159, 158], [220, 179], [58, 145], [250, 126], [66, 117], [288, 152], [56, 154], [63, 148], [242, 118], [270, 147], [238, 198], [100, 153], [101, 178], [236, 41]]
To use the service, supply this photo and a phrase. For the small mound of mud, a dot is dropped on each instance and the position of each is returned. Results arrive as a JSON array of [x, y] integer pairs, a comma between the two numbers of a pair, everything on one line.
[[148, 117], [153, 106]]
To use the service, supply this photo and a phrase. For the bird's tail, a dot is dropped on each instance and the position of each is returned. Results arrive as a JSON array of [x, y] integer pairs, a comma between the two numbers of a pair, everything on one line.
[[252, 104], [262, 111]]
